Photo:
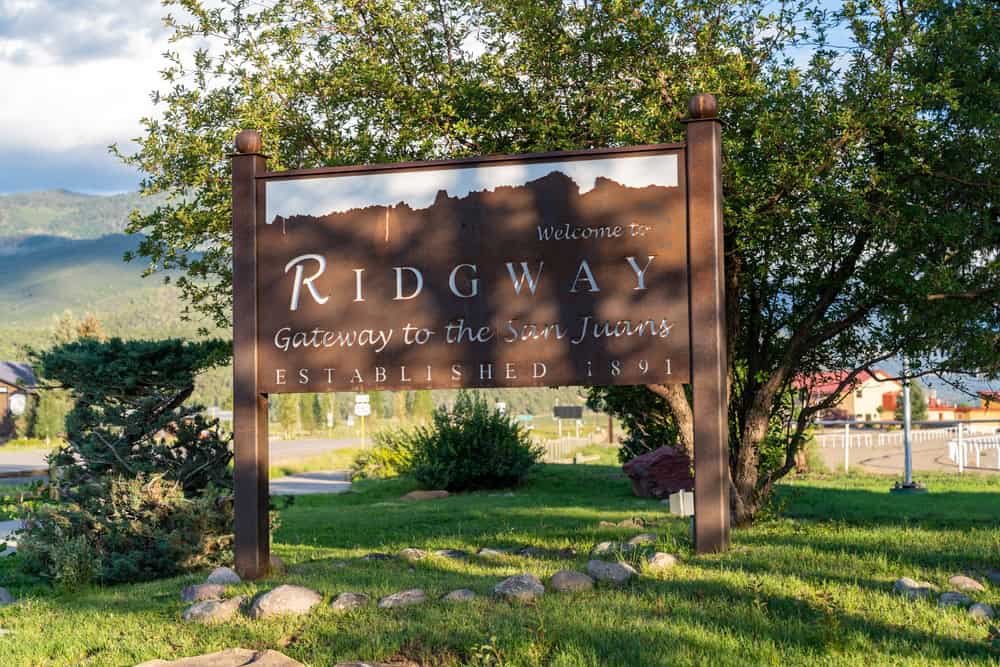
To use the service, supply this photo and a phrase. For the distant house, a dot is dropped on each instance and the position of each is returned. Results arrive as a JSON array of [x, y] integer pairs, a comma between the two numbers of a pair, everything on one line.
[[988, 408], [938, 409], [17, 383], [864, 399]]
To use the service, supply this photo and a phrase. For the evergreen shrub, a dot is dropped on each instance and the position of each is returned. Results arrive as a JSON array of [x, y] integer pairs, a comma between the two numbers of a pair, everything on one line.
[[472, 447]]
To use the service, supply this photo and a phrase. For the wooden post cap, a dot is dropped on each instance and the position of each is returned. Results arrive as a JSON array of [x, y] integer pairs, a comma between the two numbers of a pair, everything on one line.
[[248, 141], [703, 105]]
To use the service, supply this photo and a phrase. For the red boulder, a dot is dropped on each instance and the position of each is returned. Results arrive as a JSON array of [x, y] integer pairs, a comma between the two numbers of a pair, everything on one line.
[[659, 473]]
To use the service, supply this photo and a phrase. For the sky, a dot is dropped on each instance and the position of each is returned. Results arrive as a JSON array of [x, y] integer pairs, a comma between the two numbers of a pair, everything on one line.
[[77, 76]]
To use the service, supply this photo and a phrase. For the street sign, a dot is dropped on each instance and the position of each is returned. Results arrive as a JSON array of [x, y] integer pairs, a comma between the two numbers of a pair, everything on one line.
[[567, 411], [361, 398], [362, 409]]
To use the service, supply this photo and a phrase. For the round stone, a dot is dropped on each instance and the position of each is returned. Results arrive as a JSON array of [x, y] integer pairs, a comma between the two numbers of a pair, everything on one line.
[[285, 600], [605, 548], [225, 576], [200, 592], [349, 601], [455, 554], [661, 561], [277, 566], [5, 597], [491, 553], [981, 611], [213, 611], [461, 595], [954, 599], [522, 587], [248, 141], [403, 599], [912, 589], [376, 556], [964, 583], [613, 573], [570, 581], [412, 554], [642, 540]]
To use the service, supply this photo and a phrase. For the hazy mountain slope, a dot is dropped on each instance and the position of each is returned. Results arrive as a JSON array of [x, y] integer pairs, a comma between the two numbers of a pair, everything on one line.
[[67, 214]]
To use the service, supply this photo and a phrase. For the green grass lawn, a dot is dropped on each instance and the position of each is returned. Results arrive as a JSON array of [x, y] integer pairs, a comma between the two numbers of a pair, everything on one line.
[[809, 586]]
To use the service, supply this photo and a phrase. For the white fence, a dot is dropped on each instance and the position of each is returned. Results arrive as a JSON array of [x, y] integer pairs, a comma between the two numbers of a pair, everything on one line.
[[960, 449], [963, 441], [562, 449]]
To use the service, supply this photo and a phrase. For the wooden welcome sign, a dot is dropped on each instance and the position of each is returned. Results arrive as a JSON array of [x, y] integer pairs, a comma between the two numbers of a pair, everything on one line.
[[600, 267]]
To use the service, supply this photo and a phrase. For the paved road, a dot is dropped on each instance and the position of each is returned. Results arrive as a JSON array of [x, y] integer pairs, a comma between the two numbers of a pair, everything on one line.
[[927, 456], [282, 451]]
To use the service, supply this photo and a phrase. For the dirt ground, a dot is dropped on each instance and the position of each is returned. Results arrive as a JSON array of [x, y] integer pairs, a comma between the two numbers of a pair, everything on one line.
[[930, 455]]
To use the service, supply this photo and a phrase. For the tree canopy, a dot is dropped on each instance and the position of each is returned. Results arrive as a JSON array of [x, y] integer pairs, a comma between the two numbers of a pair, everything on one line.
[[860, 144]]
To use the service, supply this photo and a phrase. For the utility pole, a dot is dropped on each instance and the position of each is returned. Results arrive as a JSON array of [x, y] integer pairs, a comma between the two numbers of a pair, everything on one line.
[[908, 485]]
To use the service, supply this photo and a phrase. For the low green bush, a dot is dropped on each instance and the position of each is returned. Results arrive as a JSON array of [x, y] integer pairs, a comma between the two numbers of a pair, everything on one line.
[[389, 456], [472, 447], [126, 529]]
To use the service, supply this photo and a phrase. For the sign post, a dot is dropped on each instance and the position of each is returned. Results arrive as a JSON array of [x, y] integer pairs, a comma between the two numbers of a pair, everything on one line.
[[709, 362], [252, 530], [599, 267]]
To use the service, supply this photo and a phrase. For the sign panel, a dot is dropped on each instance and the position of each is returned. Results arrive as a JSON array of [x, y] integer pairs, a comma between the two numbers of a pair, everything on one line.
[[543, 271], [567, 411], [362, 409]]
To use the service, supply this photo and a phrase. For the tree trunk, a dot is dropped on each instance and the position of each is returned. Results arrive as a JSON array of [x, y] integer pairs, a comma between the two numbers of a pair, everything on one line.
[[677, 401]]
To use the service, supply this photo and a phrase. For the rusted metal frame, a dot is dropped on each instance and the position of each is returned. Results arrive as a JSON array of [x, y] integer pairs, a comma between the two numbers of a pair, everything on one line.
[[467, 162], [250, 446], [706, 282]]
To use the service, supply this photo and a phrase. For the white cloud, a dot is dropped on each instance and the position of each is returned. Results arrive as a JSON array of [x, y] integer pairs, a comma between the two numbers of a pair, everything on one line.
[[77, 77], [418, 188]]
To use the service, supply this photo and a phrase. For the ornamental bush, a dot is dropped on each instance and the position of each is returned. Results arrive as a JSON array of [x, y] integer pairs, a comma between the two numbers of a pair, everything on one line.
[[142, 484], [472, 447], [119, 530]]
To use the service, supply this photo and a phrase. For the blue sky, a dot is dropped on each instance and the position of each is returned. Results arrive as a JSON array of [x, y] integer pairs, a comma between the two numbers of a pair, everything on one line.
[[79, 75]]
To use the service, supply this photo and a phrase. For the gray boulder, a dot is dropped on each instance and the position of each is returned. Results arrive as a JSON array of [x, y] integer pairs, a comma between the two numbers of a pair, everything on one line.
[[285, 600], [225, 576], [522, 587], [5, 597], [277, 566], [981, 611], [461, 595], [233, 657], [455, 554], [964, 583], [348, 602], [412, 554], [213, 611], [613, 573], [375, 555], [661, 561], [912, 589], [954, 599], [403, 599], [424, 495], [570, 581], [200, 592], [644, 539], [605, 549], [994, 577], [486, 552]]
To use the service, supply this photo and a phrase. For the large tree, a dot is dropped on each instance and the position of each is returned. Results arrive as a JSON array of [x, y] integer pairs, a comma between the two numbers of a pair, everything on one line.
[[860, 174]]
